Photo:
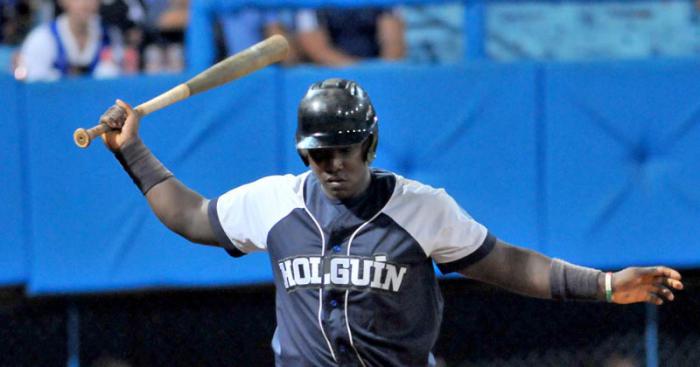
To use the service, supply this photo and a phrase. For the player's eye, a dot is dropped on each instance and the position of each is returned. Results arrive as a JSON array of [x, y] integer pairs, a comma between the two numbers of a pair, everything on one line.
[[320, 155]]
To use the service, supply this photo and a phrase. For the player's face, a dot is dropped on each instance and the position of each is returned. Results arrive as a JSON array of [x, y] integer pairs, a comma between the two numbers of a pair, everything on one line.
[[342, 171], [80, 10]]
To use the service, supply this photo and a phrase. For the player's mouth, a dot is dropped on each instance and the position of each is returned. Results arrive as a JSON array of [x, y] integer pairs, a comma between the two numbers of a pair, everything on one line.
[[335, 179], [336, 183]]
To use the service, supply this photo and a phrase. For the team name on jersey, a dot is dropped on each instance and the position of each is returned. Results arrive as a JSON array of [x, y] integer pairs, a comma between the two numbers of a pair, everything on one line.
[[342, 272]]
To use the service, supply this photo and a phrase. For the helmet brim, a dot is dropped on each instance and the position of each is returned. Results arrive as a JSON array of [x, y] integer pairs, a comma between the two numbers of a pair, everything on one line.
[[340, 139]]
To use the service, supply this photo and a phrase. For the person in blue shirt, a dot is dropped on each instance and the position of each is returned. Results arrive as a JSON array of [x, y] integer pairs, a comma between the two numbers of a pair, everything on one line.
[[352, 247], [338, 37]]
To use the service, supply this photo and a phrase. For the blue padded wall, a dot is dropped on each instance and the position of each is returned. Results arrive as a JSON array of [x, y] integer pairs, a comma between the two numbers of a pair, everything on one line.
[[469, 129], [93, 230], [594, 163], [13, 220], [622, 163]]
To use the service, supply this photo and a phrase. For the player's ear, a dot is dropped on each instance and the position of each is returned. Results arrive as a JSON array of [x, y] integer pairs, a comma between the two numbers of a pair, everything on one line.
[[304, 155]]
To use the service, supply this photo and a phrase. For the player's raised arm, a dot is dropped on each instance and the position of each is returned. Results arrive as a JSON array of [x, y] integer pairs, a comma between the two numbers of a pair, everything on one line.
[[532, 274], [178, 207]]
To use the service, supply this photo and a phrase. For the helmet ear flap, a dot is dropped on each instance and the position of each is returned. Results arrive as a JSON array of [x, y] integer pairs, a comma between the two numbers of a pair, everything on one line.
[[371, 153], [304, 155]]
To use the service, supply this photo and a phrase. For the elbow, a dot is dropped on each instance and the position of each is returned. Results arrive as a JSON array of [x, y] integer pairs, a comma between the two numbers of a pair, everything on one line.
[[179, 222], [191, 225], [176, 222]]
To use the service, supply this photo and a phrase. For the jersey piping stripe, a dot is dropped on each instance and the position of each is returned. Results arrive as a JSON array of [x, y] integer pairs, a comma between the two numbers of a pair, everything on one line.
[[347, 292], [320, 290]]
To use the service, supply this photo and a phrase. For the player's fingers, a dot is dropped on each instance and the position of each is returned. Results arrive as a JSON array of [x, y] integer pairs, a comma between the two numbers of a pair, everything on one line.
[[124, 105], [653, 298], [108, 138], [664, 292], [113, 117], [668, 282], [666, 272], [675, 284]]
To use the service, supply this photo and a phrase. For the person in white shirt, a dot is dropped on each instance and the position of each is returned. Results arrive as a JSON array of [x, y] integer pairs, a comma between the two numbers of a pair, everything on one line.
[[75, 43]]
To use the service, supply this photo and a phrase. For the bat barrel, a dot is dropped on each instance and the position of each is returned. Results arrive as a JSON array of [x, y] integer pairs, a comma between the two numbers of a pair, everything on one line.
[[253, 58]]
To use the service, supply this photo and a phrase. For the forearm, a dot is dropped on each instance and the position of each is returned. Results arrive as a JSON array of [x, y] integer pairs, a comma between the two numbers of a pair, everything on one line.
[[569, 281], [179, 208], [514, 268], [391, 38], [533, 274], [182, 210], [317, 47]]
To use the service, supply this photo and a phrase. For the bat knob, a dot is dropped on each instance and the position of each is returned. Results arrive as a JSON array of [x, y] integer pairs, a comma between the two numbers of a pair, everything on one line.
[[81, 138]]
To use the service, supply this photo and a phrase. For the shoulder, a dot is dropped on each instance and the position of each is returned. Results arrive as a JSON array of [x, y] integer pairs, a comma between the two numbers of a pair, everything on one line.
[[413, 199], [37, 54], [39, 36], [306, 20], [260, 202], [289, 181], [408, 189], [274, 185]]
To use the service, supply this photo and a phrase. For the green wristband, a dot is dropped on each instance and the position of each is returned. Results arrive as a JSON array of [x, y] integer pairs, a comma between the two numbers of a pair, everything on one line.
[[608, 287]]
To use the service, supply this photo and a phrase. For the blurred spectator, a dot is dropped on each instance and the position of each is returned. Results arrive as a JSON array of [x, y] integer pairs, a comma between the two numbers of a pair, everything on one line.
[[245, 27], [339, 37], [75, 43], [124, 14], [166, 21], [130, 17]]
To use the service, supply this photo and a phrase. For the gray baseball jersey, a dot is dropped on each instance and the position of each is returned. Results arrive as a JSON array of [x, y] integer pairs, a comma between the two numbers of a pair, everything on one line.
[[355, 284]]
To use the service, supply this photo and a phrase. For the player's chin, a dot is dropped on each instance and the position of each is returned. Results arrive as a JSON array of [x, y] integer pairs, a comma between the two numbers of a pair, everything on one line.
[[338, 190]]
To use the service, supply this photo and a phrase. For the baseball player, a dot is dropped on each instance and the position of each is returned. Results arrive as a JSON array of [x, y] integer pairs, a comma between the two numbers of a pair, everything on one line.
[[352, 247]]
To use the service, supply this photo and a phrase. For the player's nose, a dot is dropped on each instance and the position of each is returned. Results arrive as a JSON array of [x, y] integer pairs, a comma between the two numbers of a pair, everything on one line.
[[336, 163]]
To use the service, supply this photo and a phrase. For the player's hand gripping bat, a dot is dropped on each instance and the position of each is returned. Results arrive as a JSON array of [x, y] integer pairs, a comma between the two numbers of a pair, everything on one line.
[[256, 57]]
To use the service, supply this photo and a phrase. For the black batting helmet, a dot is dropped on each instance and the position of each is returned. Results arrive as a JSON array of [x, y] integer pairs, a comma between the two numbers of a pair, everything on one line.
[[336, 113]]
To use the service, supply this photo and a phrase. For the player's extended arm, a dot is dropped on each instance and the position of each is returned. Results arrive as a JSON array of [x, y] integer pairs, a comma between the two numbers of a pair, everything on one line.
[[390, 36], [514, 268], [317, 46], [178, 207], [532, 274]]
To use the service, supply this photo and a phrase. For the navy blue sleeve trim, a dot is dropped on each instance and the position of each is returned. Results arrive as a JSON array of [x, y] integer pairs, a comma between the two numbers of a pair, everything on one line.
[[480, 253], [219, 231]]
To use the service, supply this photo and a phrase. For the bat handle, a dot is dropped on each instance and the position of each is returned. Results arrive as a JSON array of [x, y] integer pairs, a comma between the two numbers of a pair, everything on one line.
[[83, 137]]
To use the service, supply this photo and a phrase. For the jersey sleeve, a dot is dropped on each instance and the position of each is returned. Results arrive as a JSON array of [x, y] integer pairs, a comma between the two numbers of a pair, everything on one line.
[[459, 239], [242, 217], [445, 231]]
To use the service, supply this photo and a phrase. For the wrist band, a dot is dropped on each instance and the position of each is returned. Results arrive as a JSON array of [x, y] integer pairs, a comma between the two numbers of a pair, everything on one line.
[[142, 166], [573, 282], [608, 287]]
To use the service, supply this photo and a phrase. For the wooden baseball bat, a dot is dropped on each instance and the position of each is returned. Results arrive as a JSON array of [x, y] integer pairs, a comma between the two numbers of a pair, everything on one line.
[[256, 57]]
